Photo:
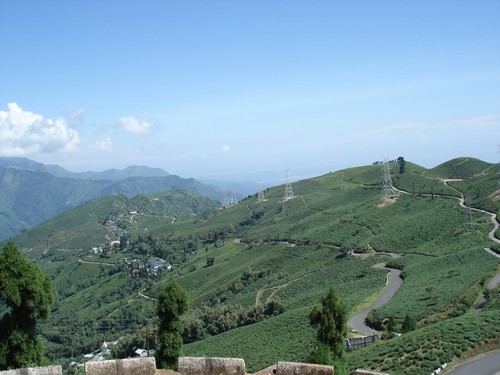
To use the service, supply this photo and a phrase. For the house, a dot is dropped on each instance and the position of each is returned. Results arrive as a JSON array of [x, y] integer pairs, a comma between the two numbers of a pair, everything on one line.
[[115, 243], [155, 263], [141, 353]]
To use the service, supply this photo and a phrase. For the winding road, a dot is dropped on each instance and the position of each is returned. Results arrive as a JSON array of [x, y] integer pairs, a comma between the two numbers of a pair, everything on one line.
[[485, 364], [394, 282]]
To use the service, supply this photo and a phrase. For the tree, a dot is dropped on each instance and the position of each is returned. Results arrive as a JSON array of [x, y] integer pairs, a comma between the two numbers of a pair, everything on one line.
[[331, 322], [402, 166], [210, 261], [27, 293], [408, 324], [172, 303]]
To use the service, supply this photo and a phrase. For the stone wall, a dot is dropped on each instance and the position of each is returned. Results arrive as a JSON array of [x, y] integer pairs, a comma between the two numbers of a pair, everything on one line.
[[136, 366], [367, 372], [211, 366], [294, 368], [186, 366], [48, 370]]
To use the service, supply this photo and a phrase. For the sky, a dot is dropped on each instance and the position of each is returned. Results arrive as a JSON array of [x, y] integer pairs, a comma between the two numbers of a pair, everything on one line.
[[244, 90]]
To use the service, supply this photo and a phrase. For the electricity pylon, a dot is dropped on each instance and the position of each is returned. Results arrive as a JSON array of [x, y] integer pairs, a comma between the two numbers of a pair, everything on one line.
[[288, 187], [468, 225], [260, 194], [388, 190]]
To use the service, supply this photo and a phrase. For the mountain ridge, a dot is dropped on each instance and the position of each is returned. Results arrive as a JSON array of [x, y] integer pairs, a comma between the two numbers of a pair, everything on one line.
[[55, 170], [31, 192]]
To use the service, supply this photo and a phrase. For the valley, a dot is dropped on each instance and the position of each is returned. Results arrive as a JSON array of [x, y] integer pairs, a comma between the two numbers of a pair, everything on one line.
[[253, 271]]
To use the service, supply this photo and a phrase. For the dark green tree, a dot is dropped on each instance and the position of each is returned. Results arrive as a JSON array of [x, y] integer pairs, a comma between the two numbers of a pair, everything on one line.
[[172, 303], [408, 324], [402, 165], [27, 294], [331, 321]]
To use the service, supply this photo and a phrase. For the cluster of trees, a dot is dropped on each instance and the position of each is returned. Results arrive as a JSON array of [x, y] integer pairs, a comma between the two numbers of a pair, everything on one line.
[[391, 325], [400, 160], [245, 279], [213, 320], [256, 215]]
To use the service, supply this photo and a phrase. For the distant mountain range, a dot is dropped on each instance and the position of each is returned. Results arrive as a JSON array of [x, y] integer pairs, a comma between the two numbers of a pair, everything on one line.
[[32, 192], [55, 170]]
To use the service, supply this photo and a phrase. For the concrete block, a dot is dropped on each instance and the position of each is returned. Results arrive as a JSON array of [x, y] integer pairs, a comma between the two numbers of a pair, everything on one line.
[[211, 366], [133, 366], [46, 370], [295, 368]]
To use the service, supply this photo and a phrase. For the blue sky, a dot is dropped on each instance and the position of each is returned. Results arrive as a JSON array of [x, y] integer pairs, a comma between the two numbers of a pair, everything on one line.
[[242, 90]]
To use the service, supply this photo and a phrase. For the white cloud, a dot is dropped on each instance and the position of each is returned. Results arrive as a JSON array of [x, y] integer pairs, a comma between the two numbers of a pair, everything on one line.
[[417, 129], [75, 118], [132, 125], [481, 121], [427, 129], [25, 133], [104, 145], [226, 148]]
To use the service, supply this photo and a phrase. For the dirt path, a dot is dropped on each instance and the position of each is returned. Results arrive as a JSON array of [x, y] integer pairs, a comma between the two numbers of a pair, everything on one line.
[[103, 263], [147, 297], [276, 289]]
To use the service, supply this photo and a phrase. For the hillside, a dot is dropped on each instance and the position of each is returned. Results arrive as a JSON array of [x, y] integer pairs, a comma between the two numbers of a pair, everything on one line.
[[31, 193], [253, 271]]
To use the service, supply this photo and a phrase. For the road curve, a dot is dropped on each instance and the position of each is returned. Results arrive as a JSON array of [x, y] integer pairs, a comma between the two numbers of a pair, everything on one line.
[[487, 364], [357, 322]]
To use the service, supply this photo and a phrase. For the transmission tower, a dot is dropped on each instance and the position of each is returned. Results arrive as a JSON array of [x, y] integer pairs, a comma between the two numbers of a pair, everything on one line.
[[388, 190], [260, 194], [350, 210], [288, 187], [468, 225], [233, 198], [225, 202]]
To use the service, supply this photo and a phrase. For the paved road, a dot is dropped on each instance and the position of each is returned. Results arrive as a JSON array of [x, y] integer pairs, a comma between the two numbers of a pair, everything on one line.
[[357, 322], [488, 364]]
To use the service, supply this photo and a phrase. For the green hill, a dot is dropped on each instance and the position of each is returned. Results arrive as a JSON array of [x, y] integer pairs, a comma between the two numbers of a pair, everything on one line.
[[30, 194], [462, 168], [253, 271]]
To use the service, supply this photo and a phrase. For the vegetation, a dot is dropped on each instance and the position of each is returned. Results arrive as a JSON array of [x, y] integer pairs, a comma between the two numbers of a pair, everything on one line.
[[172, 303], [27, 294], [424, 350], [255, 270], [331, 323]]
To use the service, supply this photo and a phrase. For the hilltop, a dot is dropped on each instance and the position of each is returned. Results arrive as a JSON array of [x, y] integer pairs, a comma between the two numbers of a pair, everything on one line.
[[253, 271]]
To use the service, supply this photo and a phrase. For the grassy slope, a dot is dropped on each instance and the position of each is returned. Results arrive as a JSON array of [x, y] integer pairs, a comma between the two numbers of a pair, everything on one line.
[[338, 208], [423, 350]]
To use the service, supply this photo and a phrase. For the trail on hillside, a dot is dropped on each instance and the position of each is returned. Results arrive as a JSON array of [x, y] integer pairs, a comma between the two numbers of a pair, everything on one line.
[[276, 289], [147, 297], [100, 263]]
